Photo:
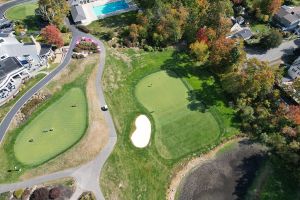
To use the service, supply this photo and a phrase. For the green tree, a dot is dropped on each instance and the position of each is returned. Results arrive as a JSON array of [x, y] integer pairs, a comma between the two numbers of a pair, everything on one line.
[[272, 40], [54, 11]]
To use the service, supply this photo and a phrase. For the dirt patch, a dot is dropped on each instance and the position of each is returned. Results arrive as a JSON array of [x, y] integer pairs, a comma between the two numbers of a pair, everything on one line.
[[90, 145], [223, 176]]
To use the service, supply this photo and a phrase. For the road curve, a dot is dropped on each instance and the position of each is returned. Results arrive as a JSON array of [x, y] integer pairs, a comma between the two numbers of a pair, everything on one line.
[[86, 176]]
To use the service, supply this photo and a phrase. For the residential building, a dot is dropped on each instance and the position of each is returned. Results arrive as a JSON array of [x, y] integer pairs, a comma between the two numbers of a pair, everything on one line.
[[287, 18], [237, 31], [294, 70]]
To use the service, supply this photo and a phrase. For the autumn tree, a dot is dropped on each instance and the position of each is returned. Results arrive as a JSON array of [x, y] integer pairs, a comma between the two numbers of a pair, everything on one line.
[[52, 35], [54, 11], [294, 114], [200, 51], [225, 54]]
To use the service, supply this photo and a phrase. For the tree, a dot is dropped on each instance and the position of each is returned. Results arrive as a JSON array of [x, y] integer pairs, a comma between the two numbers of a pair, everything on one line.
[[272, 40], [200, 51], [54, 11], [225, 54], [270, 7], [294, 114], [52, 35]]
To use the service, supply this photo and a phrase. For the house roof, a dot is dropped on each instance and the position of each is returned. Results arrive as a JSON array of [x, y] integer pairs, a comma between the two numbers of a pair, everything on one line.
[[45, 48], [78, 13], [245, 33], [288, 15], [8, 65]]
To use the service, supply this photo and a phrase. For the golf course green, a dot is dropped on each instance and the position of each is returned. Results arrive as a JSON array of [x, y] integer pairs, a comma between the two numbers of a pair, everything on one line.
[[178, 130], [54, 130]]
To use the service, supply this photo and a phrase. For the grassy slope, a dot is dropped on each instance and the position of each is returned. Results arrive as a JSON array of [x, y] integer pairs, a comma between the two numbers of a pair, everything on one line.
[[132, 173], [179, 130], [68, 124]]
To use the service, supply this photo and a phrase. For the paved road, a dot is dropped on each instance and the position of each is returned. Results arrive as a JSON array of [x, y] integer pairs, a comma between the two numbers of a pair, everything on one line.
[[86, 176], [286, 48]]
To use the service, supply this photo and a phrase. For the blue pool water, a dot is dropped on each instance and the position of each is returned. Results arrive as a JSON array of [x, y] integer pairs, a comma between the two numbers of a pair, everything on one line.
[[110, 7]]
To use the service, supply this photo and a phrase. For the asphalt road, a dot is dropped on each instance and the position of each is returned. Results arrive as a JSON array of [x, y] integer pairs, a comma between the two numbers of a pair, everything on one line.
[[86, 176], [271, 55]]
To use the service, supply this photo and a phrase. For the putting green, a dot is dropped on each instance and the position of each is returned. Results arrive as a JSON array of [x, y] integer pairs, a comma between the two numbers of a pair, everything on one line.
[[179, 130], [67, 117]]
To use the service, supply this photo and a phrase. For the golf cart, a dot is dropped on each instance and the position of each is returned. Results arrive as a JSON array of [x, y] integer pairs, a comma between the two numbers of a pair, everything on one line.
[[104, 108]]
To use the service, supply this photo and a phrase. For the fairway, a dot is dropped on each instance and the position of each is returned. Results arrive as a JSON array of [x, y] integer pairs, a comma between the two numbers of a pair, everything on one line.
[[67, 116], [21, 12], [179, 130]]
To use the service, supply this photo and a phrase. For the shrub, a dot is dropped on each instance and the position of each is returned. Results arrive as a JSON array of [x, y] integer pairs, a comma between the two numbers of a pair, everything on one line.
[[54, 193], [272, 40], [83, 28], [18, 193], [87, 196], [77, 50], [148, 48], [40, 194], [64, 29]]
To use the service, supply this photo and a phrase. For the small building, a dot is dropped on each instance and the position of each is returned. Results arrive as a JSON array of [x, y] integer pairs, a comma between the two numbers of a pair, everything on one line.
[[294, 70], [287, 18], [79, 16], [240, 20], [237, 31]]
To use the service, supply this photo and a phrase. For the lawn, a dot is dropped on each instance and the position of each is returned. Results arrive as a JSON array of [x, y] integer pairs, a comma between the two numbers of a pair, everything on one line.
[[25, 13], [179, 130], [132, 173], [21, 12], [68, 124]]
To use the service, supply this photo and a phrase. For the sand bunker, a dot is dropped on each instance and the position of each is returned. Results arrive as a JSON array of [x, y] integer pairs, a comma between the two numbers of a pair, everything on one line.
[[142, 134]]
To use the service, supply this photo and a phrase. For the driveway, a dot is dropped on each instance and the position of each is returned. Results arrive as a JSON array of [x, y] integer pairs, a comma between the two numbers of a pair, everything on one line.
[[276, 54]]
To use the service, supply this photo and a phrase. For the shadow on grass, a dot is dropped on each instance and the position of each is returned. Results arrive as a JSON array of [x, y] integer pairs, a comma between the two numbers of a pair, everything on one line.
[[34, 23]]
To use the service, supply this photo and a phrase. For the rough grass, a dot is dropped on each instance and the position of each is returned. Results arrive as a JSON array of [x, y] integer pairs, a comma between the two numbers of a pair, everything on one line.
[[273, 182], [68, 124], [132, 173], [179, 130]]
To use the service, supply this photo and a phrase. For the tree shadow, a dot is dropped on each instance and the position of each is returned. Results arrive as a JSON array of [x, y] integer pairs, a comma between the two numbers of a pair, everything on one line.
[[248, 168], [34, 23]]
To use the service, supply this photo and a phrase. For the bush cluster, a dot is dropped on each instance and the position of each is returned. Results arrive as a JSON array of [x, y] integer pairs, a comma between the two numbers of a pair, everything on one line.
[[83, 28], [77, 56]]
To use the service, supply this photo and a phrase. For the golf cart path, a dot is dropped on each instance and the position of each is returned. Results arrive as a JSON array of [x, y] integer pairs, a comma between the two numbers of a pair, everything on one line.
[[86, 176]]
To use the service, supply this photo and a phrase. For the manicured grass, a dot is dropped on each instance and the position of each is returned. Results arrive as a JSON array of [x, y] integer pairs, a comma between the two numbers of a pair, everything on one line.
[[132, 173], [21, 12], [68, 124], [26, 14], [179, 130], [260, 28]]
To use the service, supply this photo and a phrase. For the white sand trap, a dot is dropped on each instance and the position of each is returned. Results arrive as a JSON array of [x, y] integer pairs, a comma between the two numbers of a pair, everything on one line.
[[142, 134]]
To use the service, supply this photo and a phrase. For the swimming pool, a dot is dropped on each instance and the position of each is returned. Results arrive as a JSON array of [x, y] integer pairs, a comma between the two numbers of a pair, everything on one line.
[[110, 7]]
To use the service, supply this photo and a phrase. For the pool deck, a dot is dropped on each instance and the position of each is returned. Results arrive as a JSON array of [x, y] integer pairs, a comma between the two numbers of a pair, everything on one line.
[[91, 16]]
